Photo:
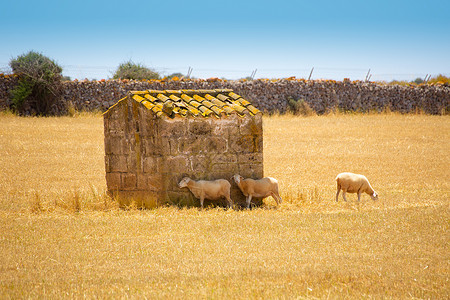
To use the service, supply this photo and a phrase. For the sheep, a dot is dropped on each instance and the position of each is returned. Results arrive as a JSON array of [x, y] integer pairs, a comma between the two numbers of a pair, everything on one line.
[[354, 183], [213, 190], [264, 187]]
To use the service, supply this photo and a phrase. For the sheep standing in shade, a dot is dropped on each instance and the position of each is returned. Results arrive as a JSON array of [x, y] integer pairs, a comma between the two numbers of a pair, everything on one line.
[[261, 188], [354, 183], [212, 190]]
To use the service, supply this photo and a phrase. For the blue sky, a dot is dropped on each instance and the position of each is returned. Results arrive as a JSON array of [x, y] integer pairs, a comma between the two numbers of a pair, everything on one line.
[[230, 39]]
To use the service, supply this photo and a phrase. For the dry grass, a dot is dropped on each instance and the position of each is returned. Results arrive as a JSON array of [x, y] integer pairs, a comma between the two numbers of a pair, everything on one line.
[[62, 237], [52, 159], [405, 157]]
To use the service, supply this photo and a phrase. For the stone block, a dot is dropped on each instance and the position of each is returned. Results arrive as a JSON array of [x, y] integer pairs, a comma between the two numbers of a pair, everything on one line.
[[225, 169], [227, 129], [232, 131], [142, 182], [224, 158], [149, 126], [175, 164], [152, 146], [199, 163], [126, 146], [128, 181], [118, 163], [113, 181], [116, 127], [171, 182], [151, 164], [212, 163], [106, 121], [191, 145], [258, 143], [154, 183], [114, 114], [233, 118], [214, 144], [107, 164], [224, 127], [243, 144], [170, 146], [173, 127], [221, 130], [255, 171], [200, 126], [251, 125], [134, 162], [250, 158], [200, 145]]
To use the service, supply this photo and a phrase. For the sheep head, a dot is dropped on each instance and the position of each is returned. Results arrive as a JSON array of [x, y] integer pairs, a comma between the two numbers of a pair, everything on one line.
[[184, 182], [237, 178], [374, 196]]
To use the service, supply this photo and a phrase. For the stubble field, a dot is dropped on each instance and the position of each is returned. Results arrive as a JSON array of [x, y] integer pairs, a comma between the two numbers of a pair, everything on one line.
[[60, 236]]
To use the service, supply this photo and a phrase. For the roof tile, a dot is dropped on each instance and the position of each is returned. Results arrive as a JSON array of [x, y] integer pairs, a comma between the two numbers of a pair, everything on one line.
[[195, 103]]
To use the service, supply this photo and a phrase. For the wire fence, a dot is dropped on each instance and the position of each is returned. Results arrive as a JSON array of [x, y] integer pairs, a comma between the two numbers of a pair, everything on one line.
[[105, 72]]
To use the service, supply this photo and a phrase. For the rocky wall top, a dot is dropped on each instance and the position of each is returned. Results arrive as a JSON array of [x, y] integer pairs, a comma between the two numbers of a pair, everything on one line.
[[267, 95]]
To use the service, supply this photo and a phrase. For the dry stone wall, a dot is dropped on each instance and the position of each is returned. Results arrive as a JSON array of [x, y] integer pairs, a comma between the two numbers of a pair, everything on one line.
[[7, 82], [210, 149], [267, 95]]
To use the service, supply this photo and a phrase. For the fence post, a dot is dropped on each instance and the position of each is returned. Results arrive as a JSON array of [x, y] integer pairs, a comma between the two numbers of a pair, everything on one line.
[[367, 76], [310, 73]]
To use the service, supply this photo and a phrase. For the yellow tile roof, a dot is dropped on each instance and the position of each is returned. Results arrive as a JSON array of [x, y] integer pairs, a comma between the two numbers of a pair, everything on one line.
[[197, 103]]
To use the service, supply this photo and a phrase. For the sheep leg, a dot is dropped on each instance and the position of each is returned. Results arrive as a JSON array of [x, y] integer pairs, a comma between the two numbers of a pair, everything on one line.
[[343, 195], [201, 201], [359, 196], [230, 202], [277, 197], [337, 194], [249, 199]]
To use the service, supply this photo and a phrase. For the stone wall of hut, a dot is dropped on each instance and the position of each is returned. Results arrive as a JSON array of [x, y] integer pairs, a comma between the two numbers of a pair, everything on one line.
[[267, 95], [146, 156]]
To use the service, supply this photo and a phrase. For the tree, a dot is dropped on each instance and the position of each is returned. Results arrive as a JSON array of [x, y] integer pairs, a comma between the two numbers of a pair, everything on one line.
[[179, 75], [418, 80], [39, 84], [131, 70]]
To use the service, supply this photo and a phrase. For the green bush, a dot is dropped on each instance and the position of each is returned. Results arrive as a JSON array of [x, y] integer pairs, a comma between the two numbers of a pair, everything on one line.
[[39, 84], [131, 70], [418, 80], [178, 75], [300, 107], [21, 92]]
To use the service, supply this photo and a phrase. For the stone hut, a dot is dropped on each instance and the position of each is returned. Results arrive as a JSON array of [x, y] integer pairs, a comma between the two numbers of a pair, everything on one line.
[[155, 138]]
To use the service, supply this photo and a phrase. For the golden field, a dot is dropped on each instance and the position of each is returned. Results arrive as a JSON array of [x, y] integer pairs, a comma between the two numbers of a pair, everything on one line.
[[61, 237]]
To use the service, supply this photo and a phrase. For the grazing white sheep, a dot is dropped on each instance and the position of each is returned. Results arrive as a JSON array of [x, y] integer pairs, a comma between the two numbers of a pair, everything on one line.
[[354, 183], [212, 190], [261, 188]]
